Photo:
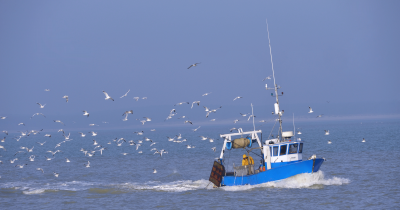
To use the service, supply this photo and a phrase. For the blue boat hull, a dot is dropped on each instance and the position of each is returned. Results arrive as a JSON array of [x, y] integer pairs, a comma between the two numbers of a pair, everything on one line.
[[274, 174]]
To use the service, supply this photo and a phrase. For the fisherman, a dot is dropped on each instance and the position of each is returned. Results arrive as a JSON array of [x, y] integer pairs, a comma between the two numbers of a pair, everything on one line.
[[247, 160]]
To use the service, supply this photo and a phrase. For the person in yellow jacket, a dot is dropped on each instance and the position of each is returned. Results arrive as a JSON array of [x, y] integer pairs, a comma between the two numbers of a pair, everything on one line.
[[247, 160]]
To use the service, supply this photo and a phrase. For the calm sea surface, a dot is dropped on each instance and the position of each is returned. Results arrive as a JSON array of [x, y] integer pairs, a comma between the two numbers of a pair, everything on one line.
[[356, 175]]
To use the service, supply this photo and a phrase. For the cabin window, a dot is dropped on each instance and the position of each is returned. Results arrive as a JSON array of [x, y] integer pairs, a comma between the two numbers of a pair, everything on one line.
[[283, 150], [276, 151], [270, 151], [301, 148], [293, 148]]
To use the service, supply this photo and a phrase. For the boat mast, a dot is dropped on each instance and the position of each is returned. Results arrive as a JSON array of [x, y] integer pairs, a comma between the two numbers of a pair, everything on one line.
[[275, 87]]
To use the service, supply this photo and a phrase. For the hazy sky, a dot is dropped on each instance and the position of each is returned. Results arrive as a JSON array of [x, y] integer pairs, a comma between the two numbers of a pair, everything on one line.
[[344, 52]]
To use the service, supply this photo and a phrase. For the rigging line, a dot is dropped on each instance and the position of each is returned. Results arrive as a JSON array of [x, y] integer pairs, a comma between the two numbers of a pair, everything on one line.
[[272, 129], [270, 52]]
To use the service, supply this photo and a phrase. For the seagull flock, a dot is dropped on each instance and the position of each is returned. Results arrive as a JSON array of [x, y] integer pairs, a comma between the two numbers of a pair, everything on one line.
[[25, 153]]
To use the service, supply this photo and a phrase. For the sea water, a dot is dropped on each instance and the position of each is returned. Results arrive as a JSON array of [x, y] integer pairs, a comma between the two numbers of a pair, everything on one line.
[[355, 175]]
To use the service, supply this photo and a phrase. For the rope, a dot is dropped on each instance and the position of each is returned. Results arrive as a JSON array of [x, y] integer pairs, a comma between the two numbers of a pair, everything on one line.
[[272, 129]]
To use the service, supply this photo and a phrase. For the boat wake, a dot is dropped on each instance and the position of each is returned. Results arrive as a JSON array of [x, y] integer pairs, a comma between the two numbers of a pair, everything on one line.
[[312, 181]]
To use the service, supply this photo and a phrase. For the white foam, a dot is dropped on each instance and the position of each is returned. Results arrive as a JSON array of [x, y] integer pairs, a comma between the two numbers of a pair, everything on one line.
[[298, 181], [176, 186], [36, 191]]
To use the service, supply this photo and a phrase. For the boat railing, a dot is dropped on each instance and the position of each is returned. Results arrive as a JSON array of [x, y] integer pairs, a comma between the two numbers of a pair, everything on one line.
[[243, 170]]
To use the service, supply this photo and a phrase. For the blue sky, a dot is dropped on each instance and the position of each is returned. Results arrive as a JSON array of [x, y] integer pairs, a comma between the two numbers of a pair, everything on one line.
[[338, 51]]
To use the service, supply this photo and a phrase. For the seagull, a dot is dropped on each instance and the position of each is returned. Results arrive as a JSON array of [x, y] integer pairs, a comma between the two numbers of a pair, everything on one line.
[[3, 140], [87, 165], [93, 125], [310, 110], [12, 161], [124, 153], [206, 94], [212, 120], [95, 142], [48, 158], [187, 121], [2, 147], [194, 130], [251, 117], [41, 144], [136, 98], [67, 160], [183, 117], [153, 144], [107, 96], [6, 132], [363, 140], [329, 142], [85, 113], [40, 169], [195, 102], [126, 118], [144, 98], [170, 139], [47, 135], [56, 174], [32, 158], [46, 89], [21, 166], [139, 132], [326, 132], [128, 112], [53, 153], [93, 133], [41, 106], [59, 121], [66, 98], [244, 115], [193, 65], [82, 134], [238, 97], [143, 121], [3, 118], [203, 138], [180, 103], [211, 140], [154, 171], [214, 149], [235, 121], [21, 124], [147, 119], [153, 130], [125, 93], [319, 115], [232, 129], [269, 77]]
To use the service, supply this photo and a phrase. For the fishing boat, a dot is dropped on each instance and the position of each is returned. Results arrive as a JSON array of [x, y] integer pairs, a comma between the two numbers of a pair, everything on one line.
[[281, 156]]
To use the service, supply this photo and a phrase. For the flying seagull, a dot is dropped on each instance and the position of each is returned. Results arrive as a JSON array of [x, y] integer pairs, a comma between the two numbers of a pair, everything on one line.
[[193, 65], [326, 132], [238, 97], [180, 103], [37, 114], [85, 113], [66, 98], [125, 93], [269, 77], [205, 94], [319, 115], [107, 96], [41, 106], [59, 121], [195, 102], [311, 111]]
